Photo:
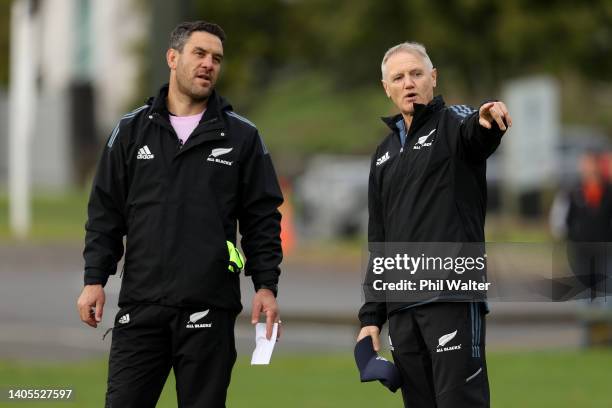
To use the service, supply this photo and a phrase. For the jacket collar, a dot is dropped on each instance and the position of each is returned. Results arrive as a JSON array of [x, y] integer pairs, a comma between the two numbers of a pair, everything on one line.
[[216, 104], [420, 112]]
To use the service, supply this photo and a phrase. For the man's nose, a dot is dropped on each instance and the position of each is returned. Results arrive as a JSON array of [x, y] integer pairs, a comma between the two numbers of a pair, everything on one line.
[[408, 83], [207, 62]]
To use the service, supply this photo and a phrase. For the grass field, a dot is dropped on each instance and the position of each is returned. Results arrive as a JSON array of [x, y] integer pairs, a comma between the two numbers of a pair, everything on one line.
[[61, 217], [543, 379], [55, 217]]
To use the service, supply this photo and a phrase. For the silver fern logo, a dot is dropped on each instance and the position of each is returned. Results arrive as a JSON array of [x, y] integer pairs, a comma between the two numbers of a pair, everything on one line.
[[221, 151], [196, 317], [446, 338], [422, 141], [442, 341], [215, 153]]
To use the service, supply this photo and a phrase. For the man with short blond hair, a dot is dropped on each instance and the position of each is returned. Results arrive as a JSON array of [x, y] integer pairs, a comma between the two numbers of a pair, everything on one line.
[[427, 184]]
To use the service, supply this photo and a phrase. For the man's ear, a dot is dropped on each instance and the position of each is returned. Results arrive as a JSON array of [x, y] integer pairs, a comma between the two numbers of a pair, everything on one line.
[[434, 76], [171, 57], [385, 86]]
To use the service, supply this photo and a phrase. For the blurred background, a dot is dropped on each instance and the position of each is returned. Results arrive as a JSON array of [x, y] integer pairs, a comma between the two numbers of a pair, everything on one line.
[[308, 74]]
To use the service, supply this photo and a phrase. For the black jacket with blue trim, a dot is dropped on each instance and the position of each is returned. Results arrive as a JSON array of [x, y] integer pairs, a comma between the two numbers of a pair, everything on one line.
[[432, 189], [177, 205]]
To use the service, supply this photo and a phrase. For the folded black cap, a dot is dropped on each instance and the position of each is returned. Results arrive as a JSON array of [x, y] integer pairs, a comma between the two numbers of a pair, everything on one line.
[[373, 367]]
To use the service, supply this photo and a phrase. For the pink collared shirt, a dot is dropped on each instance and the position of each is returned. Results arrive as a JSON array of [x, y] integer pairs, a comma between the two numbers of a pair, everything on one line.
[[184, 125]]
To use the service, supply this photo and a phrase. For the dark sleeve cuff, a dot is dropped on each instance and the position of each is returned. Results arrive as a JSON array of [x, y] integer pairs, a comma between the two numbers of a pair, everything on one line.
[[480, 142], [266, 280], [273, 288], [95, 276], [373, 314], [371, 320]]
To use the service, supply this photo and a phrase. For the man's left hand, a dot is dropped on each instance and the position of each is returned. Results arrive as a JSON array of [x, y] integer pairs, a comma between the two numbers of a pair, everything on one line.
[[494, 112], [265, 302]]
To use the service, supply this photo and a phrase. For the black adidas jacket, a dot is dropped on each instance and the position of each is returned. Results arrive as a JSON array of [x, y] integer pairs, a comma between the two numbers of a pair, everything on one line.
[[431, 190], [178, 205]]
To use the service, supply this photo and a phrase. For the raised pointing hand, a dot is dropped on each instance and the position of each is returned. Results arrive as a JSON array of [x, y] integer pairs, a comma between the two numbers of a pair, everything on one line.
[[494, 112]]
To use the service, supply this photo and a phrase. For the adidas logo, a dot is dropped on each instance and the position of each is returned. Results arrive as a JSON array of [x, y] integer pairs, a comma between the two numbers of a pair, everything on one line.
[[212, 157], [422, 141], [125, 319], [383, 159], [144, 153]]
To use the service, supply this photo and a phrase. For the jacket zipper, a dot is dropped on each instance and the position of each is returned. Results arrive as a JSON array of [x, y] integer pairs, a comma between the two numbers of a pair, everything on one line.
[[168, 127], [161, 121]]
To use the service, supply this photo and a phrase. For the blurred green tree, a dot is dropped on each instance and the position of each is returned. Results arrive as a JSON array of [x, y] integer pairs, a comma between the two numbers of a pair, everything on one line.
[[478, 42]]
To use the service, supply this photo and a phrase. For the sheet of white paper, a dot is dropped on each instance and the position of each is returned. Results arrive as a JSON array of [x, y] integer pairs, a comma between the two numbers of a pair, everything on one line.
[[263, 347]]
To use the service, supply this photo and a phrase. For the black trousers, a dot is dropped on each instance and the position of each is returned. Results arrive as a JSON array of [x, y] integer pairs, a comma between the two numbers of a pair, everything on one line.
[[148, 340], [439, 349]]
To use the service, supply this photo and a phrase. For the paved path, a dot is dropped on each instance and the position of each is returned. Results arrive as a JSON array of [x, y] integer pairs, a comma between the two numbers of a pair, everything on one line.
[[40, 285]]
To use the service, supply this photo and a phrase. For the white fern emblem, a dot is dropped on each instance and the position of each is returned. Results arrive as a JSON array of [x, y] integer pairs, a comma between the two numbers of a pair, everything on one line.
[[197, 316], [446, 338], [221, 151]]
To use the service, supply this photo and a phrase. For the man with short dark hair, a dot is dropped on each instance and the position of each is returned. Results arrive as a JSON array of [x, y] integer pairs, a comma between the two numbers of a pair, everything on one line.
[[427, 185], [177, 177]]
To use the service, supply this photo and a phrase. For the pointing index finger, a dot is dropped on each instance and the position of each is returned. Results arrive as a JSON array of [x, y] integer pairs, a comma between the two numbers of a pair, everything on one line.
[[504, 110], [498, 117], [485, 107]]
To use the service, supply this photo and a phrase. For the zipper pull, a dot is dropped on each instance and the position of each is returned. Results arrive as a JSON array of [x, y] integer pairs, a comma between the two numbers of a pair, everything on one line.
[[180, 144]]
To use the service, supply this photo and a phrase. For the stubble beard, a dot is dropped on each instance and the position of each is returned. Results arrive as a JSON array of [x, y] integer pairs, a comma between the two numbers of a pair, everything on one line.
[[194, 92]]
